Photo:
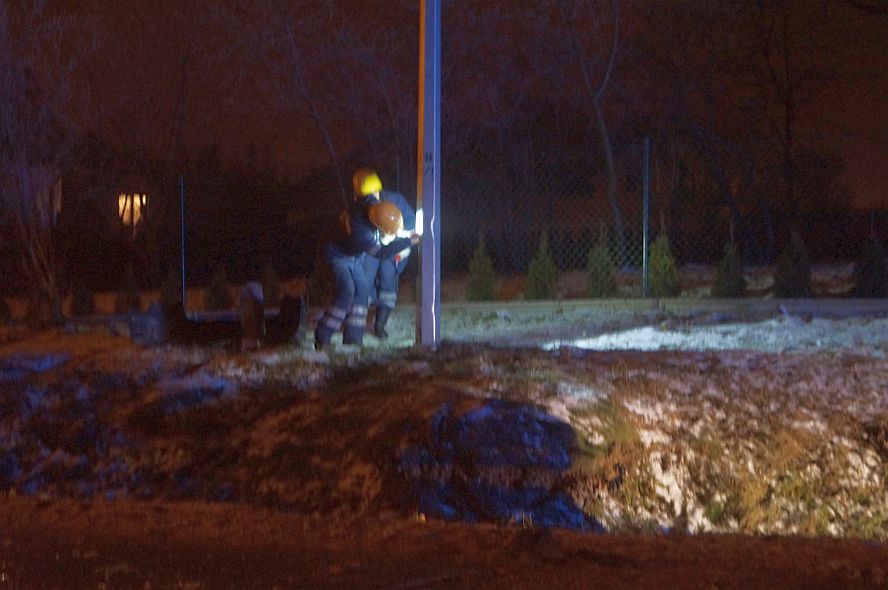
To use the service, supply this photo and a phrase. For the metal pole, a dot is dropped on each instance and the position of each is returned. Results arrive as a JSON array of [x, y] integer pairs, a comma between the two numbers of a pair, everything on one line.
[[428, 185], [182, 232], [646, 174]]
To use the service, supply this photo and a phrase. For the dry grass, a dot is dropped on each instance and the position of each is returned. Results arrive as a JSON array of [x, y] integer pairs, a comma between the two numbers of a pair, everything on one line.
[[703, 442]]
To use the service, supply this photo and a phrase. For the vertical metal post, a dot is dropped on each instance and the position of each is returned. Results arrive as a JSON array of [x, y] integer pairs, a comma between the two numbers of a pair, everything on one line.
[[646, 183], [428, 184], [182, 232]]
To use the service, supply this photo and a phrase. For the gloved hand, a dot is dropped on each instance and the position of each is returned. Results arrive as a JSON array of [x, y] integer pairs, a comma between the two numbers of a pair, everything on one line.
[[402, 255]]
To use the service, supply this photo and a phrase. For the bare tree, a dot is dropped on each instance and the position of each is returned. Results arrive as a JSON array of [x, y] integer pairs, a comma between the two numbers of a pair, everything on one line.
[[680, 105], [375, 80], [280, 48], [788, 62], [589, 32], [38, 59], [484, 148], [161, 94]]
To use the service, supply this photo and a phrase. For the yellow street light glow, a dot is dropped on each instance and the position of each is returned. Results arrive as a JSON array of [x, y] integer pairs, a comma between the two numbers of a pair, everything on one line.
[[130, 207]]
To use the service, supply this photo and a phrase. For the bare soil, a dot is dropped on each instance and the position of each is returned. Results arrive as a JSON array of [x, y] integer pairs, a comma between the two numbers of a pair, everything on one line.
[[68, 544], [344, 522]]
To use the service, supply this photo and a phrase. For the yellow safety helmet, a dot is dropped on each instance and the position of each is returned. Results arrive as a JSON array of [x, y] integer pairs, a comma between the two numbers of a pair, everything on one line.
[[386, 217], [366, 182]]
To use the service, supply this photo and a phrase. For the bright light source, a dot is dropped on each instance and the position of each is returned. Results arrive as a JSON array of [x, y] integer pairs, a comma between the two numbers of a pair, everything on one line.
[[131, 208], [405, 233], [418, 222]]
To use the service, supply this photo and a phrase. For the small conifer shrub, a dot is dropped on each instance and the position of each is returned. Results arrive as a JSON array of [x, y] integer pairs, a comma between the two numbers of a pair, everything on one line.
[[871, 271], [542, 273], [601, 269], [482, 278], [792, 275], [729, 279], [663, 278]]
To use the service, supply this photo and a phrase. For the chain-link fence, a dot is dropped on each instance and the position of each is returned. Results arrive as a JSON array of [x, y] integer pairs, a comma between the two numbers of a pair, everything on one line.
[[564, 196]]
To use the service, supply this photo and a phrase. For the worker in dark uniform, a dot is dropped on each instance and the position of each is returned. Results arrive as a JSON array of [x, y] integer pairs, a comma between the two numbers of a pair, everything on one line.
[[384, 274], [366, 229]]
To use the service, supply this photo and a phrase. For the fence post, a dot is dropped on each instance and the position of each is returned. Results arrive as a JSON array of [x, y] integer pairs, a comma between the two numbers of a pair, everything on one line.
[[646, 176]]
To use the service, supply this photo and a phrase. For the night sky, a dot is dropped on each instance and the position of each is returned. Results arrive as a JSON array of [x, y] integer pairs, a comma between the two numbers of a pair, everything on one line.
[[138, 69]]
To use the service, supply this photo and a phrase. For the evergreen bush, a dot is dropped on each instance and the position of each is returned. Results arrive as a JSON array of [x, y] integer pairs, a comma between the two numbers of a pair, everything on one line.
[[729, 279], [871, 271], [601, 269], [542, 274], [218, 294], [663, 278], [792, 275], [482, 278]]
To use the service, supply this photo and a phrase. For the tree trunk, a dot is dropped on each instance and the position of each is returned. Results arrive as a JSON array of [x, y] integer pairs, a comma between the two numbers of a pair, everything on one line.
[[623, 254]]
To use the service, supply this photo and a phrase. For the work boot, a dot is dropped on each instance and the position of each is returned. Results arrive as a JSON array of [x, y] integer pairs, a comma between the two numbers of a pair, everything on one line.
[[320, 344], [382, 316]]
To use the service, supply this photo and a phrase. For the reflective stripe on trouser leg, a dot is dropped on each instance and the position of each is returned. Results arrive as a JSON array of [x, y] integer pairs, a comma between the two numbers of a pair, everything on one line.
[[355, 324], [330, 323], [387, 299]]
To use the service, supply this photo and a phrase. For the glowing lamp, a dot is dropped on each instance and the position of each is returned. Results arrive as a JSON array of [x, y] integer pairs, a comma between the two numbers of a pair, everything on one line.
[[131, 208]]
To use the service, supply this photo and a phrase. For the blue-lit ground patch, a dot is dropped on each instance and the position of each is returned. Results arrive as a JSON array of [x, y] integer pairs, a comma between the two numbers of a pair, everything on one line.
[[500, 462]]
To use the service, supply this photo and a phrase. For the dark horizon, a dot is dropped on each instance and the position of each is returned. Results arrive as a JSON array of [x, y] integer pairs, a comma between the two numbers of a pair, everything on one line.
[[846, 116]]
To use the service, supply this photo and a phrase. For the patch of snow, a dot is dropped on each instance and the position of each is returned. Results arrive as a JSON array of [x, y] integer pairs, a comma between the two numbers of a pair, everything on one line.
[[650, 437], [667, 483], [652, 411], [580, 391]]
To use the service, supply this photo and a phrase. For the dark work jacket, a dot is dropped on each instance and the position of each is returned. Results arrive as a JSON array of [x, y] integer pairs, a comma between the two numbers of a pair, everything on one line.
[[363, 236]]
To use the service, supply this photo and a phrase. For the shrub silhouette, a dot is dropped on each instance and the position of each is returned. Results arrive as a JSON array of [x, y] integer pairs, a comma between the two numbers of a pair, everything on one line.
[[729, 280], [792, 275], [482, 277], [870, 271], [542, 274], [663, 272], [601, 269]]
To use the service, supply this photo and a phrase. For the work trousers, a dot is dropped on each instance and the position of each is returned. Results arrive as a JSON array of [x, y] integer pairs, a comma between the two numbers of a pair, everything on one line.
[[383, 276], [349, 305]]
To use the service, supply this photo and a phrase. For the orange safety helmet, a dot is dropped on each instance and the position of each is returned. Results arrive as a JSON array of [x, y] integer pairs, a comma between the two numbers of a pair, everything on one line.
[[387, 217], [366, 181]]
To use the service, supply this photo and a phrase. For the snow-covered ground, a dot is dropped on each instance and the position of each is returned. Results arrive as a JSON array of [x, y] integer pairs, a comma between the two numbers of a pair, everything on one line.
[[701, 421]]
